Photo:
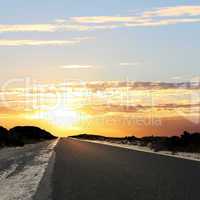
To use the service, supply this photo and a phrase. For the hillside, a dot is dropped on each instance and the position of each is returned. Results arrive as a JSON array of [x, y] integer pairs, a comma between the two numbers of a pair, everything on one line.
[[21, 135]]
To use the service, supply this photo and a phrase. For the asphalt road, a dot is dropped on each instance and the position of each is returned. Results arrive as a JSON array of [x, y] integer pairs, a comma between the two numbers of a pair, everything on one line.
[[88, 171]]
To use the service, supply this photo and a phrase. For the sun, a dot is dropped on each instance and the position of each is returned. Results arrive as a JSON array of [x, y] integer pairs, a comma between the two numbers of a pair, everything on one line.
[[60, 116], [63, 116]]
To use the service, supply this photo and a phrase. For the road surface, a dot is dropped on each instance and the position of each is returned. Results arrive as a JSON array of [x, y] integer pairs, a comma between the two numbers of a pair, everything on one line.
[[77, 170], [86, 170]]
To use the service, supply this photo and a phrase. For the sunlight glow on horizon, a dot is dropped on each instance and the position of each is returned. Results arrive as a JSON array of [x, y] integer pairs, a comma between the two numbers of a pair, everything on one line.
[[114, 108], [60, 116]]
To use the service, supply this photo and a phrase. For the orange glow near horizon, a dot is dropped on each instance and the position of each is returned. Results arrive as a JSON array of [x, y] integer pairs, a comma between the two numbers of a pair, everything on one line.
[[108, 108]]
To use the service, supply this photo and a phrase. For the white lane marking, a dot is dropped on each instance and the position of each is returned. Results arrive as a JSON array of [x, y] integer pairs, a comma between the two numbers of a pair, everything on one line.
[[24, 185]]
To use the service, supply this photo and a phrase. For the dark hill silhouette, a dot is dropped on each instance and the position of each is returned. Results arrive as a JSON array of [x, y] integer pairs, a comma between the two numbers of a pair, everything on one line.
[[90, 137], [21, 135], [3, 136]]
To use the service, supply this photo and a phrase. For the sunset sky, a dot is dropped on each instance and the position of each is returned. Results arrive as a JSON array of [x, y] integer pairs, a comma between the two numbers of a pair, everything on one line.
[[109, 67]]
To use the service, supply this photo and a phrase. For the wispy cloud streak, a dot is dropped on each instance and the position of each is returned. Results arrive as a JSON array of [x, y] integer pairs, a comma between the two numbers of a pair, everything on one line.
[[133, 64], [40, 42], [76, 66], [155, 17]]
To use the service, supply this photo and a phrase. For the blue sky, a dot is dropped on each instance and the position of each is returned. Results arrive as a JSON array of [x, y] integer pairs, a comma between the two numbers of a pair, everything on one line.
[[135, 40]]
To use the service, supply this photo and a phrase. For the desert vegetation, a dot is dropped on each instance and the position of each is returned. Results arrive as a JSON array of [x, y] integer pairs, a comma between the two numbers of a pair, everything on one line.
[[186, 142]]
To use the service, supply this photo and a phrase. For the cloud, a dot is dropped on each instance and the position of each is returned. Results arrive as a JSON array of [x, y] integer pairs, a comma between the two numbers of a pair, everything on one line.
[[103, 85], [49, 27], [28, 28], [107, 97], [103, 19], [130, 64], [40, 42], [162, 22], [154, 17], [103, 109], [58, 26], [176, 78], [174, 11], [76, 66]]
